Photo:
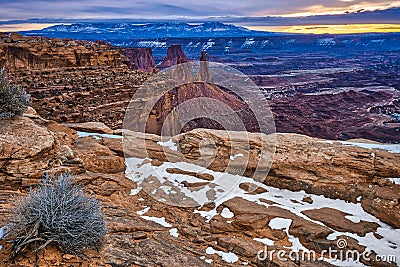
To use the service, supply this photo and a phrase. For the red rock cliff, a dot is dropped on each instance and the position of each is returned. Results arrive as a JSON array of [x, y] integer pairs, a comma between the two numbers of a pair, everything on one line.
[[18, 52], [140, 58]]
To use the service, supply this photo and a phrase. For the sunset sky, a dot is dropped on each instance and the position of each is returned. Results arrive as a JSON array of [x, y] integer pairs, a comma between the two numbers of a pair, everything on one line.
[[280, 13], [26, 9]]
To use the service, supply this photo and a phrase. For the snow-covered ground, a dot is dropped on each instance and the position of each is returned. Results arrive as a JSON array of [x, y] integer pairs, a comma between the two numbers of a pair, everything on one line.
[[170, 144], [394, 180], [226, 256], [392, 148], [1, 236], [98, 135], [226, 186], [158, 220]]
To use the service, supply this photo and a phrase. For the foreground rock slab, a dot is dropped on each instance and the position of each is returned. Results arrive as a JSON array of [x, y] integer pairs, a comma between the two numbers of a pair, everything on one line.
[[146, 232]]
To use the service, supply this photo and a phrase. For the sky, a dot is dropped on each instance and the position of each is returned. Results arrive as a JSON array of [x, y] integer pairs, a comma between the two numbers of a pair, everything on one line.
[[153, 9]]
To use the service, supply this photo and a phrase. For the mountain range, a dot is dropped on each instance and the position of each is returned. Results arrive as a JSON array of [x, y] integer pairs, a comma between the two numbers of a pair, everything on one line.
[[107, 31], [219, 39]]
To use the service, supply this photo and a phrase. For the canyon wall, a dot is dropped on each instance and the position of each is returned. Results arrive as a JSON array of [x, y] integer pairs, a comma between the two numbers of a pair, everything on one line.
[[140, 58], [21, 53], [175, 55]]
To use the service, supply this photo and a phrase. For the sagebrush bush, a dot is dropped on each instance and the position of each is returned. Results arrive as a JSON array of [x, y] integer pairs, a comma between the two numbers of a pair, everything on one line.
[[13, 99], [56, 212]]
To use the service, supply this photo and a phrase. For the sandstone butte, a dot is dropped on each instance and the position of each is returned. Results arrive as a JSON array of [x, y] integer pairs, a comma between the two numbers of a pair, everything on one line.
[[175, 55], [31, 146]]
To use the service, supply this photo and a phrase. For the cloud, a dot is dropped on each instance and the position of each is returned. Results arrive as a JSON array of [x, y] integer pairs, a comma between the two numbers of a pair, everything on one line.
[[26, 9], [314, 7]]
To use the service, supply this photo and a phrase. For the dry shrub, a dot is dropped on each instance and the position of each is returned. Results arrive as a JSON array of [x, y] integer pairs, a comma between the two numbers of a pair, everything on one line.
[[56, 212], [13, 99]]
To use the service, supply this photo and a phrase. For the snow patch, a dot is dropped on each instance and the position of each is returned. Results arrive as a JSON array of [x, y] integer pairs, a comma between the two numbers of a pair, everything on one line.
[[160, 221], [326, 142], [392, 148], [249, 42], [235, 156], [394, 180], [352, 218], [326, 41], [152, 44], [226, 256], [280, 223], [143, 211], [98, 135], [227, 214], [1, 236], [208, 45], [170, 144], [265, 241], [174, 232], [135, 192]]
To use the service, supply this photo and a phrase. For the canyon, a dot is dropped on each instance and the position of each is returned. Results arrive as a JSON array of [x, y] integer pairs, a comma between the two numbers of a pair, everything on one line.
[[349, 182], [324, 96], [321, 182]]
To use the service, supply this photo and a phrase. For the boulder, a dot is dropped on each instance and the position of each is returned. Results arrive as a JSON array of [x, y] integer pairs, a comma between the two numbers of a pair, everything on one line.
[[97, 157], [91, 127], [337, 220]]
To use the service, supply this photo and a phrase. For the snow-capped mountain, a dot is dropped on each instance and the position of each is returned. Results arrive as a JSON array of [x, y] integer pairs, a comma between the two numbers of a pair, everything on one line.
[[151, 30], [219, 39]]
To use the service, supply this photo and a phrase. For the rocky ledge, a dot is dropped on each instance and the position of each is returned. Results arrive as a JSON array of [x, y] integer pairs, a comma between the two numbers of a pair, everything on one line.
[[317, 192]]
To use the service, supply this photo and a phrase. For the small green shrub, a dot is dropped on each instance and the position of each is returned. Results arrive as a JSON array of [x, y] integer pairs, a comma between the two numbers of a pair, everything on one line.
[[13, 99], [56, 212]]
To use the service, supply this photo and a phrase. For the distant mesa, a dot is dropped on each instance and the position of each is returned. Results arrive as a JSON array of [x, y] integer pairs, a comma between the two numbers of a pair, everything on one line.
[[175, 55]]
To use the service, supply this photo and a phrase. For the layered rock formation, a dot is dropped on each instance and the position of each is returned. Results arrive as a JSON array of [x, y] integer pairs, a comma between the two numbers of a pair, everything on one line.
[[175, 55], [318, 167], [20, 53], [140, 59], [73, 81], [82, 95]]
